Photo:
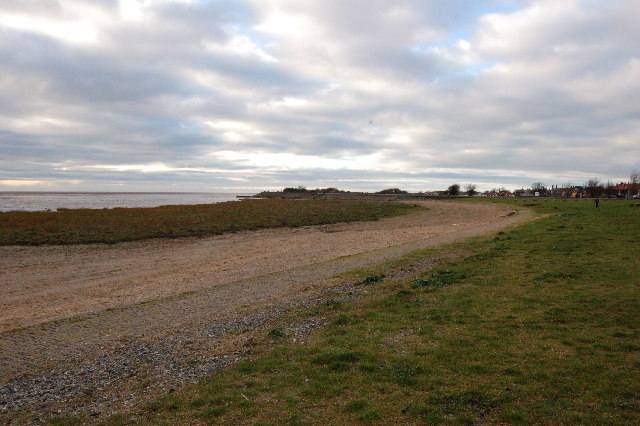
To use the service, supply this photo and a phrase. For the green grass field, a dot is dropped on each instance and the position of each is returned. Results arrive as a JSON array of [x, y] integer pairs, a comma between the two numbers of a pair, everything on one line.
[[82, 226], [536, 324]]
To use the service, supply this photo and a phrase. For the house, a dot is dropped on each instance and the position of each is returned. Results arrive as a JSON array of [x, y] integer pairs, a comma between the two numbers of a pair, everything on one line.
[[567, 192], [495, 193], [523, 193], [622, 190]]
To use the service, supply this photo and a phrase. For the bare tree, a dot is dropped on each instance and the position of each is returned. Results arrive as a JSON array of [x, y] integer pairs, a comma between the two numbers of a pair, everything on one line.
[[471, 190], [539, 187], [634, 183], [567, 188], [593, 187], [610, 190]]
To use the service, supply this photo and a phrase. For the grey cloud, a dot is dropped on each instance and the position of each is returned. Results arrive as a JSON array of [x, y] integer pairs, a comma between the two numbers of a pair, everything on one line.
[[564, 103], [49, 8]]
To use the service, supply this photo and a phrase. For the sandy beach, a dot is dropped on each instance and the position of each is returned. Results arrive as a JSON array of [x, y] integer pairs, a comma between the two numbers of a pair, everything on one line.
[[40, 284]]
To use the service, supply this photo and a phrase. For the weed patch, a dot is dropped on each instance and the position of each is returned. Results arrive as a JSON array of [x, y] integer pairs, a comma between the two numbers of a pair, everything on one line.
[[551, 276], [336, 360], [356, 405], [373, 279], [276, 333], [439, 278]]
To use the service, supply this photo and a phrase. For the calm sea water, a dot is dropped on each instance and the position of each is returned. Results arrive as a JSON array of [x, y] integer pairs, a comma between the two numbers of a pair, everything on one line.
[[34, 201]]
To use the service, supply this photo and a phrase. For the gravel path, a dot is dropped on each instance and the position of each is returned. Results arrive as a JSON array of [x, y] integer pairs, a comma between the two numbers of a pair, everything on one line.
[[133, 318]]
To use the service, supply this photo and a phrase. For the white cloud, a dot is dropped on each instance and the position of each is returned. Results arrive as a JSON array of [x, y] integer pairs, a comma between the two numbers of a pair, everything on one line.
[[287, 161], [356, 91], [79, 31], [23, 183]]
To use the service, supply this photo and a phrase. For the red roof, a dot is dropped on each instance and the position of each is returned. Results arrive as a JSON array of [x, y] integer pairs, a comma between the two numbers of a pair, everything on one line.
[[622, 186]]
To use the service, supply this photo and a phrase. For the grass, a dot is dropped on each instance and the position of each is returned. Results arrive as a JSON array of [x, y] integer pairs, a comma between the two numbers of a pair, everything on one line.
[[537, 324], [82, 226]]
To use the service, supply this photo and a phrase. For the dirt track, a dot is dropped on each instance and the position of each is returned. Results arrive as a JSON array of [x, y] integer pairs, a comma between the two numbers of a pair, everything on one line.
[[203, 291]]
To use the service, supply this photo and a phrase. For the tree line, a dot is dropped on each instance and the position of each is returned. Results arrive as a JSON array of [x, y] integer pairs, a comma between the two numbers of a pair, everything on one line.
[[592, 188]]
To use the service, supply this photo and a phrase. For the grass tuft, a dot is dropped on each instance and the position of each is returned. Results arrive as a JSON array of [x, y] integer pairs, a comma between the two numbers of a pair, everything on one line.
[[373, 279], [276, 333], [439, 278]]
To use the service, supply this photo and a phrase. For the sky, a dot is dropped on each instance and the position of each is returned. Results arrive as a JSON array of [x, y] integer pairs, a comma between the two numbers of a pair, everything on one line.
[[363, 95]]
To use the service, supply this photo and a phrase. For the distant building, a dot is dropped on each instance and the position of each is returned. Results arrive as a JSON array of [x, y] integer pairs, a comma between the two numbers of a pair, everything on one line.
[[566, 192], [622, 190], [497, 194], [523, 193]]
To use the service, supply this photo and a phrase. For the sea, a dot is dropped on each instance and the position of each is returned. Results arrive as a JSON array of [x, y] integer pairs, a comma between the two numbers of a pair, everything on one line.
[[52, 201]]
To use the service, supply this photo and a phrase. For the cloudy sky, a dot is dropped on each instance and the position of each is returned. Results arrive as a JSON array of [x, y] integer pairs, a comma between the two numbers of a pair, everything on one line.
[[239, 96]]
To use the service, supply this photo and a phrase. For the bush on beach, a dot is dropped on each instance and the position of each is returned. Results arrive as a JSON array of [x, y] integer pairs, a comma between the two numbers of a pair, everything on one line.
[[83, 226]]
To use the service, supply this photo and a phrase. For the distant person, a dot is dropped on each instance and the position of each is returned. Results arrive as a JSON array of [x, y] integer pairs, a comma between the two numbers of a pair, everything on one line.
[[597, 201]]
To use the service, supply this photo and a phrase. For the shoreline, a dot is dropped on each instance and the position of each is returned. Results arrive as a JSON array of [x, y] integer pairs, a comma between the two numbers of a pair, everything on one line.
[[34, 201]]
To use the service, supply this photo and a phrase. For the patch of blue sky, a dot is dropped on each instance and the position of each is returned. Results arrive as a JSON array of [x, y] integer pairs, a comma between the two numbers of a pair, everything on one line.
[[420, 48], [246, 31], [192, 124], [468, 69], [473, 10], [477, 68], [458, 33], [464, 31]]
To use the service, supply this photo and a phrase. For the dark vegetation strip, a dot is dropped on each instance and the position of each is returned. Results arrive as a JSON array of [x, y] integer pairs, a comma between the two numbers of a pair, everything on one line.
[[82, 226], [538, 324]]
